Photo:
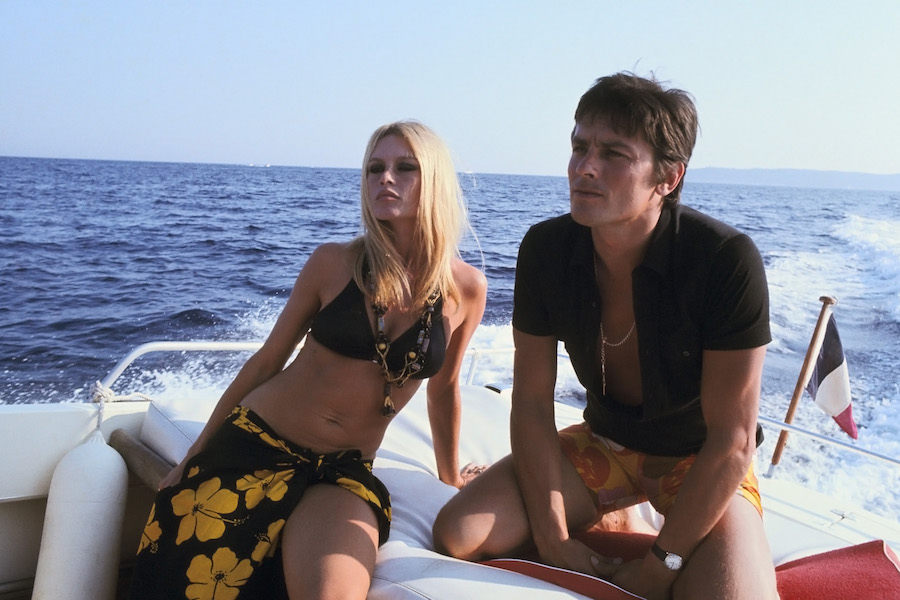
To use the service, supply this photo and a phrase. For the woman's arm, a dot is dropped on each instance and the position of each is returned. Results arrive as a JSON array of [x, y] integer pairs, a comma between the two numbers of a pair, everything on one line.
[[444, 402], [289, 329]]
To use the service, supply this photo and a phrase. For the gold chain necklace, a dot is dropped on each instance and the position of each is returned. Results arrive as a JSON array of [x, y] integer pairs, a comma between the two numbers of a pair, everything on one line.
[[604, 343], [413, 360]]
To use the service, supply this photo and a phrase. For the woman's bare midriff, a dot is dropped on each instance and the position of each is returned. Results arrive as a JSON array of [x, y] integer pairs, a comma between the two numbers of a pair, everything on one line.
[[327, 402]]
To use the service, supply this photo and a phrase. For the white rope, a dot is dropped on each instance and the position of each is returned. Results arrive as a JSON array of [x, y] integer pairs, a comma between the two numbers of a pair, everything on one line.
[[101, 394]]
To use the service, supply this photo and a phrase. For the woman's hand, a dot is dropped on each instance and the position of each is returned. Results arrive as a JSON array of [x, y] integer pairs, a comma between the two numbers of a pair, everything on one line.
[[172, 477], [470, 472]]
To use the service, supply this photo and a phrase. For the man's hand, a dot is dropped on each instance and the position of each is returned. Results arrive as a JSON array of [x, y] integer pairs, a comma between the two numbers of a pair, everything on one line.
[[652, 583], [574, 555]]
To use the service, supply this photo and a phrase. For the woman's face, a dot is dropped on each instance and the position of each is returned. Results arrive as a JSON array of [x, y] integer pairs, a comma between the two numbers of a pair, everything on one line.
[[394, 180]]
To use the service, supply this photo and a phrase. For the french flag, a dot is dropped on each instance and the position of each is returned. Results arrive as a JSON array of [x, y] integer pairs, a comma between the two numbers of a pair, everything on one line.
[[830, 382]]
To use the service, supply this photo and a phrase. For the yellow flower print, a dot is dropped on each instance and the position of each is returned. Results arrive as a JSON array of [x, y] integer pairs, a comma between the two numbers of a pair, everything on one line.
[[361, 491], [244, 423], [275, 443], [202, 511], [193, 471], [267, 541], [264, 484], [219, 578], [151, 532]]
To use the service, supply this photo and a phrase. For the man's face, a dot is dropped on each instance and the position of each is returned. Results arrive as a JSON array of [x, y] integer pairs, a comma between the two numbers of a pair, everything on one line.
[[611, 177]]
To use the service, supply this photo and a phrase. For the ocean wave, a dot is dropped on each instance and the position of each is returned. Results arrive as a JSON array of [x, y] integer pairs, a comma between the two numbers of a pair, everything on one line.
[[876, 244], [193, 317]]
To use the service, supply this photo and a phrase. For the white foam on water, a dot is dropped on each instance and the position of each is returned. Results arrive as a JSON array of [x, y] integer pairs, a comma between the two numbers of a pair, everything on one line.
[[876, 245]]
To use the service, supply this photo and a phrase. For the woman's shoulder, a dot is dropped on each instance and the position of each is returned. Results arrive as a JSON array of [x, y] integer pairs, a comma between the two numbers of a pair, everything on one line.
[[335, 251], [333, 256], [470, 281], [330, 264]]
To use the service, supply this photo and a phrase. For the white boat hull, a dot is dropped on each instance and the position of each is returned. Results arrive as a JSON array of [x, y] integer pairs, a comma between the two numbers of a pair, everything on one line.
[[34, 438]]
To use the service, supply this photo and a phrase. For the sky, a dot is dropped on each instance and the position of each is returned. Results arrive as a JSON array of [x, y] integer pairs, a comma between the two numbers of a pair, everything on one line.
[[778, 84]]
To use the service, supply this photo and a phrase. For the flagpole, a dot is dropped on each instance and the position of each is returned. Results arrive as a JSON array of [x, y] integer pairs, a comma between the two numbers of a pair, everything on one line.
[[815, 344]]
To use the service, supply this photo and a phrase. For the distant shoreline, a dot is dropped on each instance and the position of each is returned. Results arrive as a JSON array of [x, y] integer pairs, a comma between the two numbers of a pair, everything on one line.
[[799, 178]]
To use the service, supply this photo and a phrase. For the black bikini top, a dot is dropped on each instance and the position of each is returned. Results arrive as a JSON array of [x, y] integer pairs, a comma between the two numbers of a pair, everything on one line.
[[343, 326]]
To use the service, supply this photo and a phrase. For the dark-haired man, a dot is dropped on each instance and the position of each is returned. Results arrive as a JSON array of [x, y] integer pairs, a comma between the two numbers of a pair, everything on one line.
[[664, 313]]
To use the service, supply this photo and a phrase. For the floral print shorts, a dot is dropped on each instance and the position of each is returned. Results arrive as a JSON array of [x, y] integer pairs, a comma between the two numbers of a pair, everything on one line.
[[215, 535], [619, 477]]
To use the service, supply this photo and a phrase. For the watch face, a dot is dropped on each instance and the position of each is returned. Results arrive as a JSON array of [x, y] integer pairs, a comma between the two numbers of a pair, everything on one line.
[[673, 561]]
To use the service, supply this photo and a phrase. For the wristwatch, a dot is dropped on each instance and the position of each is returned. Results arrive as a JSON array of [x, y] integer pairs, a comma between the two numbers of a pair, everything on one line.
[[672, 561]]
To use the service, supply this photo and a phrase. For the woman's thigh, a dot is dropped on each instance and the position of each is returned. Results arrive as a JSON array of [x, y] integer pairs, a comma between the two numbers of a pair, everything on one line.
[[329, 545]]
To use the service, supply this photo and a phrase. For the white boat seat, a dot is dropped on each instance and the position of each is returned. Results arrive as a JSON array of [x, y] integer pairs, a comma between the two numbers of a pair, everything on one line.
[[407, 567]]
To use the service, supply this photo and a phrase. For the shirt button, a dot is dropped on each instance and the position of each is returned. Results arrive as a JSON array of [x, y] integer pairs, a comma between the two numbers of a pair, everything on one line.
[[685, 353]]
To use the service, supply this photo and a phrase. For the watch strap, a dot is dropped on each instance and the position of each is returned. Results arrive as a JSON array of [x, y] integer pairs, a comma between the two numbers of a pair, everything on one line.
[[672, 561]]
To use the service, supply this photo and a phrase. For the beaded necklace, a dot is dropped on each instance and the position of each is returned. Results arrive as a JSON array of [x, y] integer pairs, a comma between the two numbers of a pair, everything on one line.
[[413, 360]]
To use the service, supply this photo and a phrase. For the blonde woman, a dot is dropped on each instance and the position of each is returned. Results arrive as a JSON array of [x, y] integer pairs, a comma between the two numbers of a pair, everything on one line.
[[382, 312]]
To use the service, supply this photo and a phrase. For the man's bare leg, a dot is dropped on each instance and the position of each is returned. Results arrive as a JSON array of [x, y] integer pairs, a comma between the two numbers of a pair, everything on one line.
[[733, 561], [487, 518]]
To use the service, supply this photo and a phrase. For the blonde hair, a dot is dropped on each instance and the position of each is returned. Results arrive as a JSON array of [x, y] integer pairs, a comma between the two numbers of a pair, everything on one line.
[[441, 222]]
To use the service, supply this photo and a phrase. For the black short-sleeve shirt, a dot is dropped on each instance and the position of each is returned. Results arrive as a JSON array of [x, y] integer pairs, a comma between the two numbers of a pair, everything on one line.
[[701, 286]]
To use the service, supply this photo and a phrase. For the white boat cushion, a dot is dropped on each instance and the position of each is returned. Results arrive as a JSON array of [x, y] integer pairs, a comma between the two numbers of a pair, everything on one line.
[[172, 425], [406, 567]]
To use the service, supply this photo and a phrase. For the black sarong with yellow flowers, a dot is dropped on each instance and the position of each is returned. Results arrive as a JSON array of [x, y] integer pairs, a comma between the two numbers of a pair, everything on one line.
[[215, 535]]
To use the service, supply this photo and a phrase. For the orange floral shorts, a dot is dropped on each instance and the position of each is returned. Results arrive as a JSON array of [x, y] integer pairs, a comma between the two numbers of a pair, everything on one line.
[[620, 477]]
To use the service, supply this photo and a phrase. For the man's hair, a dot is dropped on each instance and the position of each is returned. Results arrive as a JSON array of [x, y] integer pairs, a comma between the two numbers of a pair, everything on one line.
[[638, 107]]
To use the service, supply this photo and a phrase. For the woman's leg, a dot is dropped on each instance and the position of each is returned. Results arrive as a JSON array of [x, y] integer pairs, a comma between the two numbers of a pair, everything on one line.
[[329, 545]]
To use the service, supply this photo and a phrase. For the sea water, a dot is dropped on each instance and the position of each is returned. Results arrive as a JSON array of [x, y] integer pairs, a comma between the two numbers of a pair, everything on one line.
[[97, 257]]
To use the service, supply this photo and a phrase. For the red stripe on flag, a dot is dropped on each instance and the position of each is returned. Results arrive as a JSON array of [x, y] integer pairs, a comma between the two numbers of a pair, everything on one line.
[[845, 421], [829, 384]]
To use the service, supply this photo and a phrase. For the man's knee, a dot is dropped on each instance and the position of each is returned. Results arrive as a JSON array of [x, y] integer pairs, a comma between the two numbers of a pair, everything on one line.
[[442, 535], [450, 537]]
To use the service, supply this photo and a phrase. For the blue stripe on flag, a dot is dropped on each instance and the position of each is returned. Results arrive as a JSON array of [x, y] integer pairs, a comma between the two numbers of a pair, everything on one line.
[[831, 355]]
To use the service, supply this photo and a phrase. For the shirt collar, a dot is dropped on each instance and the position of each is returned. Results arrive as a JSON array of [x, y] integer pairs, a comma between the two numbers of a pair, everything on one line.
[[658, 252], [582, 247], [657, 256]]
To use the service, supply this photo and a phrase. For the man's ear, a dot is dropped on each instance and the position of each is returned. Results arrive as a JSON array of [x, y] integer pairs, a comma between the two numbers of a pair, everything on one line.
[[671, 177]]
